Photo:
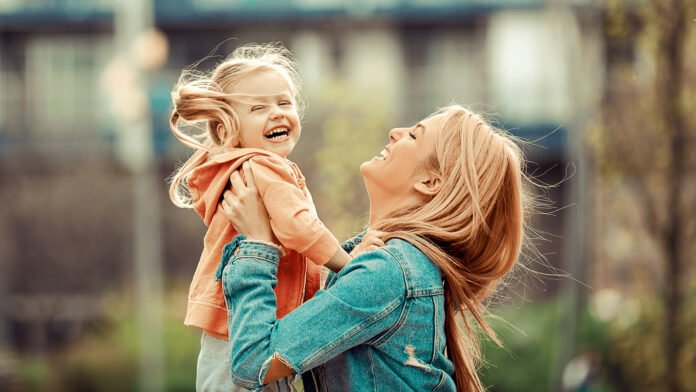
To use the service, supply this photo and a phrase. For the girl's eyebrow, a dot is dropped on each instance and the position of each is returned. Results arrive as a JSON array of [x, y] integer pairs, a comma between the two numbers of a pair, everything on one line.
[[258, 96], [253, 99], [419, 126]]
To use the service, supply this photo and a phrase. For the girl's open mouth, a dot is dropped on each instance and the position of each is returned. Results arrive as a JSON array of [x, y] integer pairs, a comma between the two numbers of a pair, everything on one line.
[[278, 134]]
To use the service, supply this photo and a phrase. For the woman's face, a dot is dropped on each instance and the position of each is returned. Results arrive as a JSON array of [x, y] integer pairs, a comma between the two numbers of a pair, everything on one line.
[[394, 172]]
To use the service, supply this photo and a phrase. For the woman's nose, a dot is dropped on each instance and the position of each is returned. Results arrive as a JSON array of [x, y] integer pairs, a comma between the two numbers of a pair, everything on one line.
[[396, 134]]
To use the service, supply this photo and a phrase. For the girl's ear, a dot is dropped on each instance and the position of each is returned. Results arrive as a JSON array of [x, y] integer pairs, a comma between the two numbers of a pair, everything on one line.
[[429, 184], [222, 133]]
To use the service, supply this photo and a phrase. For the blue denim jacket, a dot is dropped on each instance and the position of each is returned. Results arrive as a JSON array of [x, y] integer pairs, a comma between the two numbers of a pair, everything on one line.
[[378, 325]]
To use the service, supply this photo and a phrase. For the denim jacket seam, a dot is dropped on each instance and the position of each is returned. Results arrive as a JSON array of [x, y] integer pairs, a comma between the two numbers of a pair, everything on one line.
[[352, 332], [260, 249], [410, 291], [396, 327], [429, 292], [442, 380], [243, 382], [257, 257], [329, 281], [435, 334], [404, 268], [360, 327], [404, 312]]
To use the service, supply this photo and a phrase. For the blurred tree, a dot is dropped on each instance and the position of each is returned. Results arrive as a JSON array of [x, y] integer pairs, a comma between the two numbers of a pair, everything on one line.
[[523, 363], [647, 130], [354, 129]]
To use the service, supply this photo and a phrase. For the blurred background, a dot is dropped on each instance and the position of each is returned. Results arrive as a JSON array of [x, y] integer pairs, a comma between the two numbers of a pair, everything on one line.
[[95, 261]]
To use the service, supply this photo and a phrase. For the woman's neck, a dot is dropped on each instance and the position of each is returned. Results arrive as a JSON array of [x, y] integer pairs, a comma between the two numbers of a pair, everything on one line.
[[381, 207]]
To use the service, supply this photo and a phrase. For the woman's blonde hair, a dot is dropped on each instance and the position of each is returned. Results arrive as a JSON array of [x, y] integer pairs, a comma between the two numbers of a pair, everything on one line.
[[202, 103], [472, 229]]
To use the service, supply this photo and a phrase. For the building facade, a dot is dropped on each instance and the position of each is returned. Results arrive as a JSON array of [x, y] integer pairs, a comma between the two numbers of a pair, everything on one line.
[[65, 236]]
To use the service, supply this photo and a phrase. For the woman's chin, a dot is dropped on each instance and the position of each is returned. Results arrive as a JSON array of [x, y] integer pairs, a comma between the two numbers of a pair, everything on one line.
[[370, 178], [367, 168]]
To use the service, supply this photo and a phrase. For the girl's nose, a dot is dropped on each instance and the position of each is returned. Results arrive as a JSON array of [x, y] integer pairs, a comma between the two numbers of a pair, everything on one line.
[[277, 113]]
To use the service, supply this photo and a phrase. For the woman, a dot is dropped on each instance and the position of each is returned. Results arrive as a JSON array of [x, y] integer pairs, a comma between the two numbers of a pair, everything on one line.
[[446, 197]]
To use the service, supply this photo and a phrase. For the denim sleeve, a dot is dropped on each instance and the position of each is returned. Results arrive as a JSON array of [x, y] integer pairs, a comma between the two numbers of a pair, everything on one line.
[[348, 247], [364, 301]]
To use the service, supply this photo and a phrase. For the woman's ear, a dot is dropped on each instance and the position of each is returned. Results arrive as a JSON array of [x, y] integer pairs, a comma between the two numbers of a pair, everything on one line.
[[428, 184]]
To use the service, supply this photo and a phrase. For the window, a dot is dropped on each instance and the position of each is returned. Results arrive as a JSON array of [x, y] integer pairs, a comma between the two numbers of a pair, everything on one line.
[[528, 66], [62, 84]]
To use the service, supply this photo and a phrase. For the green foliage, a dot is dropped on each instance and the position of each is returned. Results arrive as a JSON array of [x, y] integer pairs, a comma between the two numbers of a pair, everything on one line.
[[524, 363], [530, 334], [635, 357], [33, 373], [628, 356]]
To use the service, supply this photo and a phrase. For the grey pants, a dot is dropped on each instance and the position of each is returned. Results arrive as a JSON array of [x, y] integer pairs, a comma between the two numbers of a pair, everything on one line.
[[213, 370]]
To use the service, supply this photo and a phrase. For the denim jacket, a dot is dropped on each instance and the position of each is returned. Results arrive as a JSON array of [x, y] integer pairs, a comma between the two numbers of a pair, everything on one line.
[[378, 325]]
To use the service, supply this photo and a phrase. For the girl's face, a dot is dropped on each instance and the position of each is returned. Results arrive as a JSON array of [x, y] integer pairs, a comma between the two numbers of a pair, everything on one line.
[[394, 172], [268, 117]]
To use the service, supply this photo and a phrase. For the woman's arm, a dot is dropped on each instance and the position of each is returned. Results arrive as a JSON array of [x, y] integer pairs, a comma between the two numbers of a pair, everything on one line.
[[259, 227], [364, 301], [248, 286]]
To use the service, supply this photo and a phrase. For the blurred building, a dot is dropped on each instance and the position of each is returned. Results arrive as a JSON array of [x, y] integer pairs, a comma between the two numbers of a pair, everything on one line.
[[536, 66]]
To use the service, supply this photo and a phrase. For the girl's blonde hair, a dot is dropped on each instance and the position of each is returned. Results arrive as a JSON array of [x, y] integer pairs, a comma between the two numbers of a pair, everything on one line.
[[472, 229], [203, 102]]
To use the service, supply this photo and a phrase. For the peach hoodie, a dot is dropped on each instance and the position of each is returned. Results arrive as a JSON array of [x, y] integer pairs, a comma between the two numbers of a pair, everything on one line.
[[293, 219]]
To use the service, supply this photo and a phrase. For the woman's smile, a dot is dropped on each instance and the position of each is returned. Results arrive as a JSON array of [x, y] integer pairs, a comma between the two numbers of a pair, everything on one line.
[[383, 155]]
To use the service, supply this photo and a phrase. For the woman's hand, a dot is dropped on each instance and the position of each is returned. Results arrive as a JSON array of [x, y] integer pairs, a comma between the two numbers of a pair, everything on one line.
[[243, 206], [370, 241]]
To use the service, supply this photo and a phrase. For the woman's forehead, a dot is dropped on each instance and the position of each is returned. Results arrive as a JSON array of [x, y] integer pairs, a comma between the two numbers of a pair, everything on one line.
[[434, 123]]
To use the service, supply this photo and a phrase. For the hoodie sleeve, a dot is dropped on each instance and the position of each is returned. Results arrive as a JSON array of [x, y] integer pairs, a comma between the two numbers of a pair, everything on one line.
[[293, 217]]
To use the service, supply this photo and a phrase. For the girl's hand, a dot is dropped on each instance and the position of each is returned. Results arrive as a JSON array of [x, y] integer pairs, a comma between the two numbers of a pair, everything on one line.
[[370, 241], [243, 206]]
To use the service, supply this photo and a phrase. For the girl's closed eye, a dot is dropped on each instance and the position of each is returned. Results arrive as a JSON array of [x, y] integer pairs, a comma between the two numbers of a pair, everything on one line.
[[284, 103], [257, 107], [412, 135]]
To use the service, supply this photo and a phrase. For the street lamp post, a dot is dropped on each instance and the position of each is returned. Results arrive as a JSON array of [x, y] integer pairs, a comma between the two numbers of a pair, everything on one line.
[[127, 83]]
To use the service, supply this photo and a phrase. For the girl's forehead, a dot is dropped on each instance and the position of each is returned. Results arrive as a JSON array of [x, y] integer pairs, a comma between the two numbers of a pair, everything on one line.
[[262, 83]]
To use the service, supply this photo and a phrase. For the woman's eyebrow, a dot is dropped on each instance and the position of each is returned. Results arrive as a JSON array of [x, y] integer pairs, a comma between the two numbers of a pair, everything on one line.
[[419, 126]]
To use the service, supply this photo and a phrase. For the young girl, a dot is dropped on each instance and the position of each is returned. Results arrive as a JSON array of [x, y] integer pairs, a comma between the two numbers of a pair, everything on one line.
[[248, 109]]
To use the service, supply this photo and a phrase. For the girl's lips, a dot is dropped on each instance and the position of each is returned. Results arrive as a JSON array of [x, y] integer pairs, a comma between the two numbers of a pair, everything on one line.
[[277, 130], [278, 134], [279, 139]]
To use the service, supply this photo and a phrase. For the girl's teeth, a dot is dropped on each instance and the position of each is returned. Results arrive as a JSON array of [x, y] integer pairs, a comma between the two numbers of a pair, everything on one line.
[[278, 134]]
